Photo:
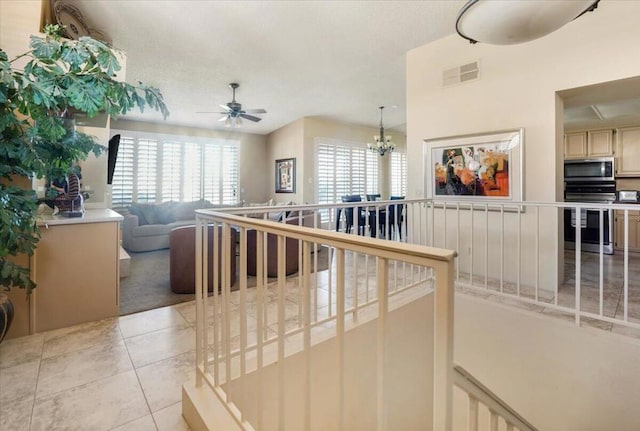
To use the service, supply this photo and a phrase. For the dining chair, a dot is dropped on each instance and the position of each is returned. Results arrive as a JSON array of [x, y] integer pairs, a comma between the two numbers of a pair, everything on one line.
[[376, 214], [348, 214], [396, 215]]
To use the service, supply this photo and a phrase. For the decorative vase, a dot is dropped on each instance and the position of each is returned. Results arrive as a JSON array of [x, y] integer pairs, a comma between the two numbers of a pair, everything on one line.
[[6, 315]]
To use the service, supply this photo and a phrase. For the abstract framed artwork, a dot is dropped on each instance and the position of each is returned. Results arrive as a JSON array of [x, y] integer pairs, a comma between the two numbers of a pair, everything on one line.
[[285, 175], [486, 166]]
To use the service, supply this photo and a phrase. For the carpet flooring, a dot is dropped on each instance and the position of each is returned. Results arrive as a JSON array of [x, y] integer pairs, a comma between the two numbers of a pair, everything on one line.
[[147, 285]]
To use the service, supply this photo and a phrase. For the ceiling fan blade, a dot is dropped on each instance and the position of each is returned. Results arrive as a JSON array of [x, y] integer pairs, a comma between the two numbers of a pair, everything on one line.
[[223, 118], [225, 107], [255, 111], [250, 117], [212, 112]]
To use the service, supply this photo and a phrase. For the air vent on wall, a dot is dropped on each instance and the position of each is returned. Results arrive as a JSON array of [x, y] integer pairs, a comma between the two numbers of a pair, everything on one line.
[[466, 72]]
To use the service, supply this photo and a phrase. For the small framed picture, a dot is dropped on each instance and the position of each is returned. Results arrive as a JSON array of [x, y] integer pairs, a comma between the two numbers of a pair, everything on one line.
[[286, 175]]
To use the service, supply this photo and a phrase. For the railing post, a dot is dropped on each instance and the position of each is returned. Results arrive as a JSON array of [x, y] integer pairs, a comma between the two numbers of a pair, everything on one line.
[[200, 318], [281, 331], [383, 307], [261, 328], [340, 333], [306, 299], [443, 346]]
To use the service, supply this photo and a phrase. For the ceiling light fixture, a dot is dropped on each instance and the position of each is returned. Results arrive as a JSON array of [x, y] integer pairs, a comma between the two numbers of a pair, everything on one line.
[[500, 22], [232, 120], [381, 144]]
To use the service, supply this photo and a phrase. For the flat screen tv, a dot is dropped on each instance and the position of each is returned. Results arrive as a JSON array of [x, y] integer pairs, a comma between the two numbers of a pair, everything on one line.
[[114, 143]]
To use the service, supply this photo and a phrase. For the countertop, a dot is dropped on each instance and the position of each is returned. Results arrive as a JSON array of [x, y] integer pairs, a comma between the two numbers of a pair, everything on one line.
[[97, 215]]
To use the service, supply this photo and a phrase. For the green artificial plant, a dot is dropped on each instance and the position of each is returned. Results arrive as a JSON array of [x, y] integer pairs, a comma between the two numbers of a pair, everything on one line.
[[60, 77]]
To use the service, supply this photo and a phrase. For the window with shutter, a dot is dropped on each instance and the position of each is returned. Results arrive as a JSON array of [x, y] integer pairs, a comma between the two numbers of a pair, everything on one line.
[[192, 171], [171, 171], [146, 170], [398, 174], [160, 168], [344, 168], [123, 175]]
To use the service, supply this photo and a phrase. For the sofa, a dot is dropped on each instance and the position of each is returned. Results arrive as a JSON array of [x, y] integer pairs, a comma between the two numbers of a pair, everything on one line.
[[146, 227]]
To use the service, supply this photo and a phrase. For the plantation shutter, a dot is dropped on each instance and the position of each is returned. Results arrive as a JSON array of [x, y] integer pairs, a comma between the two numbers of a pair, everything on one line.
[[212, 173], [344, 169], [229, 178], [398, 174], [146, 170], [123, 174], [164, 168], [192, 171], [171, 171]]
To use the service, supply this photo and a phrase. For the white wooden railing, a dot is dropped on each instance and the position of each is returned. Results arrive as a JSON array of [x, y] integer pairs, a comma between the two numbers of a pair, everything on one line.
[[365, 279], [516, 252], [512, 252], [499, 411]]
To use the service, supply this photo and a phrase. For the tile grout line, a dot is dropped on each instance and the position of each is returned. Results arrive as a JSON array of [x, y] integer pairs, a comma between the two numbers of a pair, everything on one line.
[[135, 370], [35, 390]]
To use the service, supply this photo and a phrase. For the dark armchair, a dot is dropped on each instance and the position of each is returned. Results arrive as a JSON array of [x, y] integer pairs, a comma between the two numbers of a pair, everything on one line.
[[182, 259], [290, 257]]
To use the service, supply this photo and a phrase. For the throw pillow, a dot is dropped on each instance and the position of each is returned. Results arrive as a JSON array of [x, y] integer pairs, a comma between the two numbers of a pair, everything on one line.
[[149, 212], [164, 212], [186, 210], [136, 211]]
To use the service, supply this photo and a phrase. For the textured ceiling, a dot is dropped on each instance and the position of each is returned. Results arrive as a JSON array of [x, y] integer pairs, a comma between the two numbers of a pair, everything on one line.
[[338, 60], [609, 104]]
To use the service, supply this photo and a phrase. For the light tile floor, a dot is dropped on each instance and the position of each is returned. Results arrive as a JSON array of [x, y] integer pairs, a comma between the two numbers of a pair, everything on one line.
[[117, 374], [126, 373], [613, 291]]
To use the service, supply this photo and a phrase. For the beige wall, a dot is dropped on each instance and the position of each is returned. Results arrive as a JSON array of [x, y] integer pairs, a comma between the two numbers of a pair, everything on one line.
[[19, 19], [253, 152], [408, 377], [297, 139], [319, 128], [557, 376], [94, 170], [284, 143], [517, 88]]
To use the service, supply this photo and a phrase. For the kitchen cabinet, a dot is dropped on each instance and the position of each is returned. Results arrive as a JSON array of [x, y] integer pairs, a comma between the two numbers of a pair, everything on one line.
[[634, 230], [628, 152], [590, 143]]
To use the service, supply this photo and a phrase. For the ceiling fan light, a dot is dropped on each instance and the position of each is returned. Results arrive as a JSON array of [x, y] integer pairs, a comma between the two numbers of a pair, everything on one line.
[[227, 121], [517, 21], [238, 122]]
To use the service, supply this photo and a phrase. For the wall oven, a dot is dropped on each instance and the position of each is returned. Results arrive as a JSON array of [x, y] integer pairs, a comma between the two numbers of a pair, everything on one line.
[[589, 192]]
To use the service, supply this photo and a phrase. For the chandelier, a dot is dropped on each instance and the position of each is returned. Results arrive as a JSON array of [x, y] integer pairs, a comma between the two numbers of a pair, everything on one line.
[[381, 144]]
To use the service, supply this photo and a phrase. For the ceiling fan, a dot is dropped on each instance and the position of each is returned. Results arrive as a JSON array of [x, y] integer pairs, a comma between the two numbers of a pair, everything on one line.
[[233, 112]]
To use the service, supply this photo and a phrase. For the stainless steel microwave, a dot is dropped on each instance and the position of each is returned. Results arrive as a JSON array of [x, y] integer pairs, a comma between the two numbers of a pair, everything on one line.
[[589, 170]]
